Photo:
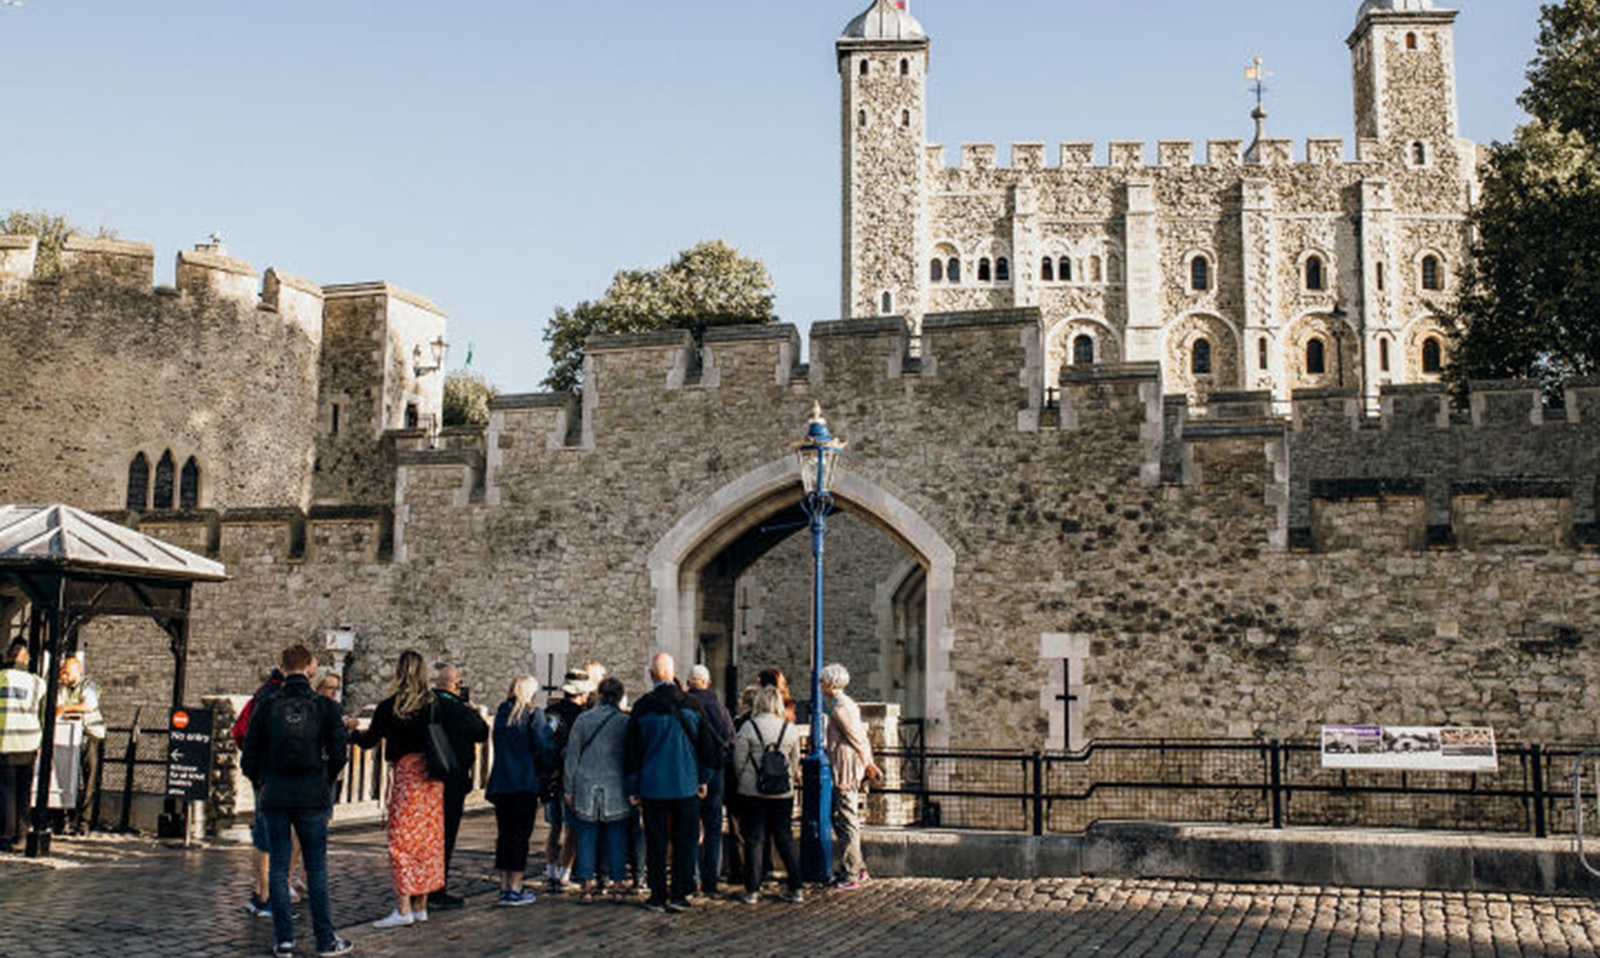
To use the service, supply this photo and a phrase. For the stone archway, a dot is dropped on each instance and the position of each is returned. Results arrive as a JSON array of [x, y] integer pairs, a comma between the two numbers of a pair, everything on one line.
[[679, 557]]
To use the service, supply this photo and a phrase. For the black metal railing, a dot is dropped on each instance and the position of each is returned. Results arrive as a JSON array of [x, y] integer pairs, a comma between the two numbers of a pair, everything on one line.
[[1223, 781]]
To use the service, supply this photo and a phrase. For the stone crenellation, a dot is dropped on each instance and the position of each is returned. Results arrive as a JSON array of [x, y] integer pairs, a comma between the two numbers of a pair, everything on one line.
[[1226, 154]]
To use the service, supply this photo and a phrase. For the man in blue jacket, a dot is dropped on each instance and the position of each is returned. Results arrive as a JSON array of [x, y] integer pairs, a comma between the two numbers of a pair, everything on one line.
[[294, 750], [670, 755]]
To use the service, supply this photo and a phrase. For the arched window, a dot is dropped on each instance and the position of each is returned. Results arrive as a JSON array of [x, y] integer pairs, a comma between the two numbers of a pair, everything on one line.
[[1065, 272], [189, 485], [1094, 269], [1047, 270], [1315, 280], [1083, 350], [1199, 274], [887, 303], [1432, 277], [936, 270], [1379, 271], [905, 67], [983, 270], [1419, 153], [1002, 270], [1200, 358], [1261, 353], [1411, 41], [139, 483], [865, 66], [163, 491], [1114, 268], [1316, 358], [861, 118], [1432, 355], [905, 118], [1383, 355], [952, 270]]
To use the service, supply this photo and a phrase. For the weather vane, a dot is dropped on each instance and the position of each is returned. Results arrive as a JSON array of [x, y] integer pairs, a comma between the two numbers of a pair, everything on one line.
[[1257, 74]]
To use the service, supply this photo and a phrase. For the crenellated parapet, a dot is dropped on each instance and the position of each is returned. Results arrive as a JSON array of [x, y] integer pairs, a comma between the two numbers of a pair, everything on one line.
[[1220, 154], [90, 263], [1506, 471]]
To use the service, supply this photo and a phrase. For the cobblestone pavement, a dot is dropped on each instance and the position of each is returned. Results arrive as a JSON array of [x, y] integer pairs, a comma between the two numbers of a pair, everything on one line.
[[131, 898]]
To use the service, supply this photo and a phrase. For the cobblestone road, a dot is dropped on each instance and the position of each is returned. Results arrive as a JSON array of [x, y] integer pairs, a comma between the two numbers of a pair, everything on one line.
[[131, 899]]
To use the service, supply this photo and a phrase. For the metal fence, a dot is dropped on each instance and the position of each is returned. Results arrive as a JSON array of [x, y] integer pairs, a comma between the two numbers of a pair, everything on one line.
[[1223, 781], [133, 769]]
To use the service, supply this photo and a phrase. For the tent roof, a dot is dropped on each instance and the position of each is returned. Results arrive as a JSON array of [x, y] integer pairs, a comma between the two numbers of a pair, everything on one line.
[[69, 539]]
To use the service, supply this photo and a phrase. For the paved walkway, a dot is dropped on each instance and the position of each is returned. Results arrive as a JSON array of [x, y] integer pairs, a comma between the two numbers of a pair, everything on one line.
[[134, 898]]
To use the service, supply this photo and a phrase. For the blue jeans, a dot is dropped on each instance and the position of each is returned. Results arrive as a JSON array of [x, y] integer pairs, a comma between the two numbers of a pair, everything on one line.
[[711, 835], [610, 839], [311, 824]]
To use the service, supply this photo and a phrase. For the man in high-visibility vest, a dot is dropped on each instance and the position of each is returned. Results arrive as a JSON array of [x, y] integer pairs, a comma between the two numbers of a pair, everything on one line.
[[21, 702]]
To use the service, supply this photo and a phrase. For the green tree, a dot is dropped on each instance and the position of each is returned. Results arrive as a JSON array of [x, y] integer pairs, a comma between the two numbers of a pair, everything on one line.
[[1530, 303], [709, 284], [466, 398], [52, 231]]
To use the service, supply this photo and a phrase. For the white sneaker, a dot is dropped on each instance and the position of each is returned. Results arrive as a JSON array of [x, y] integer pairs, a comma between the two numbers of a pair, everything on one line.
[[419, 915], [395, 920]]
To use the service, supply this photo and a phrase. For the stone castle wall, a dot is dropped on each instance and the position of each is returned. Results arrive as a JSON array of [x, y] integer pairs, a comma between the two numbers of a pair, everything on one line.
[[1225, 574], [102, 366]]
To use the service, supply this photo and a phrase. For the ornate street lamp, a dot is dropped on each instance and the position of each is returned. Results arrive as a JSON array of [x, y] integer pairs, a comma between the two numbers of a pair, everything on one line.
[[817, 454], [436, 351]]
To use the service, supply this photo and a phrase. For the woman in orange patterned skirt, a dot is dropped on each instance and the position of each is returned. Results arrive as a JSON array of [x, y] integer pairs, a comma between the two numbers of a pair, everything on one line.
[[416, 802]]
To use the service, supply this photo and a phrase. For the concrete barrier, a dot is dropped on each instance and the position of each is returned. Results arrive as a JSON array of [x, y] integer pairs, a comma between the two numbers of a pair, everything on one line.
[[1300, 856]]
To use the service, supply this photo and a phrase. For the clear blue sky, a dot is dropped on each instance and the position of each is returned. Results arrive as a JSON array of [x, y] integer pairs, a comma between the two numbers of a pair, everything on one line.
[[505, 157]]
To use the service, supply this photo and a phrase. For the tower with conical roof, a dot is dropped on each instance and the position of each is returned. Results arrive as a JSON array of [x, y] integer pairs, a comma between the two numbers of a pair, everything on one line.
[[883, 68]]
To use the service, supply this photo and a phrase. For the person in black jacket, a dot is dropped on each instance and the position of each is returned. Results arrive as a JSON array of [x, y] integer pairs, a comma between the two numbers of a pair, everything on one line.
[[294, 750], [669, 755], [465, 728]]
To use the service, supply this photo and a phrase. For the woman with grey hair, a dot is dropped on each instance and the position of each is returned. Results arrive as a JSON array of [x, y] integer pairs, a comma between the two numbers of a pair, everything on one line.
[[850, 754], [594, 791]]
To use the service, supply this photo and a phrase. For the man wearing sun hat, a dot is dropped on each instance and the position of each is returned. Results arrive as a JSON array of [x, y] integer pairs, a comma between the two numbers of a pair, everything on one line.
[[561, 846]]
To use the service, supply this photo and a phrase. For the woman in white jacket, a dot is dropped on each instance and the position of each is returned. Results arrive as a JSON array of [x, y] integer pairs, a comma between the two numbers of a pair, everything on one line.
[[769, 809]]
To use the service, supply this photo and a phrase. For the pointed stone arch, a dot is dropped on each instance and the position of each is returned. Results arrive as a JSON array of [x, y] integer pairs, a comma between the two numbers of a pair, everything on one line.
[[676, 561]]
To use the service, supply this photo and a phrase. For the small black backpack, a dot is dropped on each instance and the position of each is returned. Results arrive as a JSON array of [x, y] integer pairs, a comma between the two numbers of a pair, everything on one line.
[[772, 771], [295, 726]]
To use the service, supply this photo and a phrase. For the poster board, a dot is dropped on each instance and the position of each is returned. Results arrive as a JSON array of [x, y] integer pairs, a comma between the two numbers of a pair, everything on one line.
[[1419, 748], [189, 754]]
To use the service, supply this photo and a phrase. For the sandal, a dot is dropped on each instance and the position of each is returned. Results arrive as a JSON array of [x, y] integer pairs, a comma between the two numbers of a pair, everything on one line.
[[587, 898]]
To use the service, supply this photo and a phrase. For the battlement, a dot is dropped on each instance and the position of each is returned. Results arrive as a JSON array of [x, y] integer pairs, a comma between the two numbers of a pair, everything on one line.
[[1225, 154], [329, 535], [205, 271], [106, 262], [18, 254]]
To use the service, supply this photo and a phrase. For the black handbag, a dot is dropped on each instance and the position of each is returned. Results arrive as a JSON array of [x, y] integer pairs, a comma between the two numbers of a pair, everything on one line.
[[442, 763]]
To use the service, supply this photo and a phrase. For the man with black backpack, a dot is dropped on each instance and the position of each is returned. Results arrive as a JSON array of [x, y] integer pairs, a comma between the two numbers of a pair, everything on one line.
[[294, 750]]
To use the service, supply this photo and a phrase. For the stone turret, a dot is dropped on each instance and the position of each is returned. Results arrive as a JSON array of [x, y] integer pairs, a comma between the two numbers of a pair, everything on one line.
[[883, 66], [1403, 58]]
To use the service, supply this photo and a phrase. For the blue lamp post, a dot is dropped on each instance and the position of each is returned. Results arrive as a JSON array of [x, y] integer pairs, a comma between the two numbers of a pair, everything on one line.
[[817, 454]]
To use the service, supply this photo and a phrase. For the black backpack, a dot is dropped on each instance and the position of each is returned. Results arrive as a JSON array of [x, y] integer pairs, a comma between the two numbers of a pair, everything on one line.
[[772, 771], [295, 725]]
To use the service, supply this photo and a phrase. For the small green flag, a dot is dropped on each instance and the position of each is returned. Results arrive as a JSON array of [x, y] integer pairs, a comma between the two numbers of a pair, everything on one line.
[[468, 361]]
